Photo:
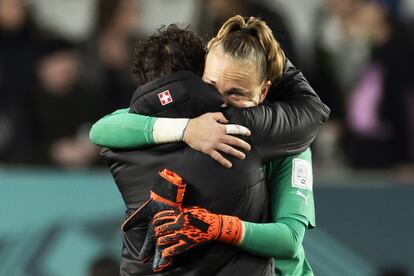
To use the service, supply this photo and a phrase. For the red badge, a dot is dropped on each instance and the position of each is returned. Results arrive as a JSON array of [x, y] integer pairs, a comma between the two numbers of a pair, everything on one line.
[[165, 97]]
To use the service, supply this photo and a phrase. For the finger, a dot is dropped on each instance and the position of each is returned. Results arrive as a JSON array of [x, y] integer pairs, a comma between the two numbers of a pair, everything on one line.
[[166, 213], [180, 247], [138, 216], [236, 142], [167, 240], [147, 248], [157, 259], [162, 221], [219, 117], [231, 151], [237, 130], [166, 229], [162, 264], [219, 158]]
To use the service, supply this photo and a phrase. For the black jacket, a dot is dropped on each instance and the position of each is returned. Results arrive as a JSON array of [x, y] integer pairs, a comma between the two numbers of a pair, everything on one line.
[[290, 118], [240, 191]]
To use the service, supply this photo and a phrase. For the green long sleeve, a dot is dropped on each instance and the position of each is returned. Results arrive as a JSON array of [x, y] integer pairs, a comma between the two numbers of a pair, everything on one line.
[[292, 209], [122, 129], [281, 239]]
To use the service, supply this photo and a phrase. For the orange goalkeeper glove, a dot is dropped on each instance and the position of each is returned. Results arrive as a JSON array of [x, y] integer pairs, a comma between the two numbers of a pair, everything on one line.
[[166, 194], [178, 232]]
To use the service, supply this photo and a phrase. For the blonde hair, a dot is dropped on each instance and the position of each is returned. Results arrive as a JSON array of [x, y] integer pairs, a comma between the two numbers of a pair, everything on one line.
[[243, 38]]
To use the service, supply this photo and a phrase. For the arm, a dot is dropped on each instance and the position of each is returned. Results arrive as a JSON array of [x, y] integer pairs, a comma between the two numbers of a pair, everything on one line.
[[281, 239], [290, 122], [286, 126], [122, 129], [292, 211]]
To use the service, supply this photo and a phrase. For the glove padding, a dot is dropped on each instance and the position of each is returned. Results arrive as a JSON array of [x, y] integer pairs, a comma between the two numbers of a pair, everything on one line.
[[176, 232], [166, 194]]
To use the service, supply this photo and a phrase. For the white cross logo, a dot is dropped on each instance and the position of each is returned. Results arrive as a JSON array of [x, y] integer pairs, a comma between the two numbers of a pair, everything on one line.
[[165, 97]]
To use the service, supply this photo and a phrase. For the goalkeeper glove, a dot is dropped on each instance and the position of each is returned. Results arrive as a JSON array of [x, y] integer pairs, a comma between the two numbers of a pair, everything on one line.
[[166, 194], [178, 232]]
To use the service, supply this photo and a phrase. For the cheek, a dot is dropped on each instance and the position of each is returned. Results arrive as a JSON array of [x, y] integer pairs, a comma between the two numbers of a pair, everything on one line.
[[248, 104], [260, 95]]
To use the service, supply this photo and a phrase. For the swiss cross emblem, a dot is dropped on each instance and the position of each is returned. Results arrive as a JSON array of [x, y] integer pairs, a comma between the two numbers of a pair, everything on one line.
[[165, 97]]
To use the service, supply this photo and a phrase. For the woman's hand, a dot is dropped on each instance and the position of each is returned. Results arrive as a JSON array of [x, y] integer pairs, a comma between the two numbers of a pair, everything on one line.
[[209, 134]]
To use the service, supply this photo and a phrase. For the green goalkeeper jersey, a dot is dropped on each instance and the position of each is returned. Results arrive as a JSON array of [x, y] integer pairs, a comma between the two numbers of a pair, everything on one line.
[[290, 183]]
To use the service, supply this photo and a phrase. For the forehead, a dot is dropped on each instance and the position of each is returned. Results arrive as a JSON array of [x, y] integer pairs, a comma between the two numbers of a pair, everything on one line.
[[222, 68]]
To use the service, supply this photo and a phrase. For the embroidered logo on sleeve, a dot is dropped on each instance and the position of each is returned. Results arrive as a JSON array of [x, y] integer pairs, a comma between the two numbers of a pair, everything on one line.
[[302, 174], [165, 97]]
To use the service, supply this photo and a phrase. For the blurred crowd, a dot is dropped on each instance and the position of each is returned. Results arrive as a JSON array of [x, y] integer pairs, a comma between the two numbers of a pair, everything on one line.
[[359, 60], [52, 89]]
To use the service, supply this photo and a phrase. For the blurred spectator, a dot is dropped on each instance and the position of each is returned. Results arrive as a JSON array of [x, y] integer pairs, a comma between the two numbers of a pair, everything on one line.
[[340, 55], [380, 108], [19, 40], [364, 73], [104, 266], [215, 12], [62, 111], [107, 56]]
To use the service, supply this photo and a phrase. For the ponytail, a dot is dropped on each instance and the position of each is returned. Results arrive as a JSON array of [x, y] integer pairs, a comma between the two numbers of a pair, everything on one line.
[[251, 38]]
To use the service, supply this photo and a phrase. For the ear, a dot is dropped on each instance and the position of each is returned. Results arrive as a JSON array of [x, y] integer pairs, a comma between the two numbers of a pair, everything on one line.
[[264, 89]]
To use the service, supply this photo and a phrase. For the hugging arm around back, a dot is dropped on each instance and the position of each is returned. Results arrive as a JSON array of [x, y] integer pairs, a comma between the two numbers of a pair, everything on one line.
[[289, 122], [122, 129], [286, 125]]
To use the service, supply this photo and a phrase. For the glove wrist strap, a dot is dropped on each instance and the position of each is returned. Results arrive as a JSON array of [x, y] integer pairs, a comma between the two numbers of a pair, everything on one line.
[[231, 231], [170, 188]]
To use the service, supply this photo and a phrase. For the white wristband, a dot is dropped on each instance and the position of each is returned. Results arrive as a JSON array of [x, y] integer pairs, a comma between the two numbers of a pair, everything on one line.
[[168, 130]]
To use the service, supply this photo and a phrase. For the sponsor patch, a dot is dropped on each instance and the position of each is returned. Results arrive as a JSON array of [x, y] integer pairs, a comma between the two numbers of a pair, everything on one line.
[[165, 97], [302, 174]]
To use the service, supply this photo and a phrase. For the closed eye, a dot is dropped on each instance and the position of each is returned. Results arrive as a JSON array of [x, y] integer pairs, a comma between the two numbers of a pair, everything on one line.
[[235, 93]]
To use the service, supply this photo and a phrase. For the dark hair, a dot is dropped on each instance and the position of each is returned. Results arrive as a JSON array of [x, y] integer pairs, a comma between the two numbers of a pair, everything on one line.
[[251, 38], [169, 50]]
